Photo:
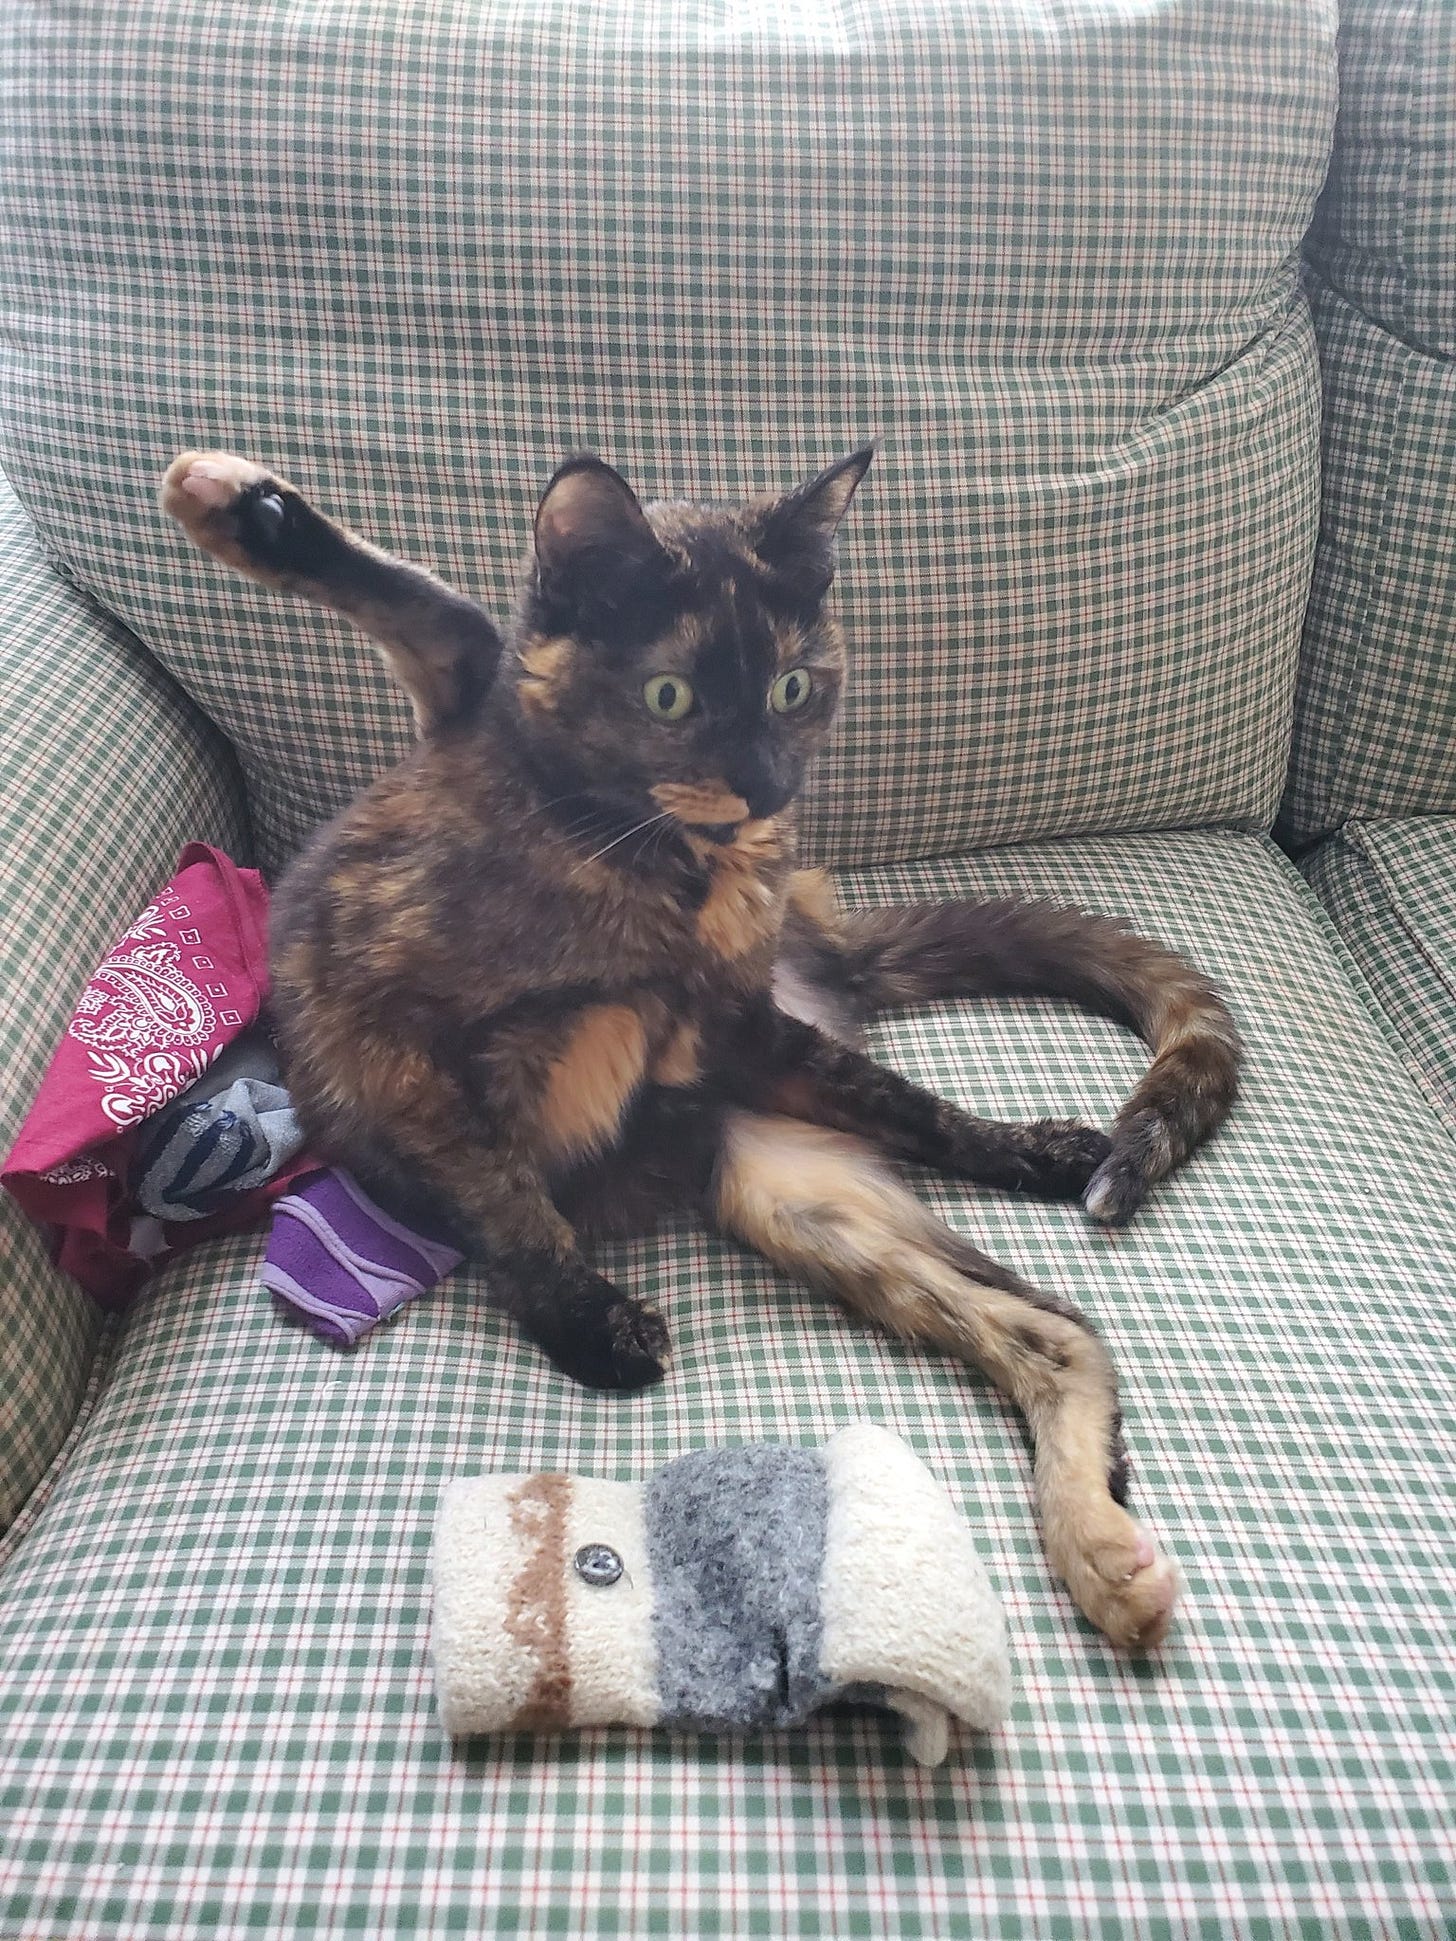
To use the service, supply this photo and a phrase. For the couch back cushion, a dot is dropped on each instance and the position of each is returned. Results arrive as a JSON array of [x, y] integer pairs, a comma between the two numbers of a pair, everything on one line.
[[1376, 726], [414, 253]]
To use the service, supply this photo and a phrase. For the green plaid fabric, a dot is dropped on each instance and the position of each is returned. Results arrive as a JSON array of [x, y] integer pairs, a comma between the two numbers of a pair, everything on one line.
[[1386, 223], [1376, 723], [1391, 889], [215, 1703], [414, 253], [105, 771]]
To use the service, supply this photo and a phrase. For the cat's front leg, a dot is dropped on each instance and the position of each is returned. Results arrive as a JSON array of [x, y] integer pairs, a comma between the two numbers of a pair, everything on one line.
[[441, 647], [591, 1330], [429, 1154], [777, 1063]]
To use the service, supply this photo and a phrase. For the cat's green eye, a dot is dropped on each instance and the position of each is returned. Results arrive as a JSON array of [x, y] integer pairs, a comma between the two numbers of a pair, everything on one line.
[[790, 690], [668, 696]]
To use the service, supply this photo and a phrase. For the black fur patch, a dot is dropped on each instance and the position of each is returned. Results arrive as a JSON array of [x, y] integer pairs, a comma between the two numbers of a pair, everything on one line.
[[283, 533], [1118, 1464]]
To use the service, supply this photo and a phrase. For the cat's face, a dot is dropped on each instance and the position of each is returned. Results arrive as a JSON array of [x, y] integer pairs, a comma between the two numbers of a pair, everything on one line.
[[677, 659]]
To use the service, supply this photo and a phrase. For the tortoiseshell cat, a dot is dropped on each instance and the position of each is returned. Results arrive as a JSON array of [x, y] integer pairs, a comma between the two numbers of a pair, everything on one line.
[[556, 972]]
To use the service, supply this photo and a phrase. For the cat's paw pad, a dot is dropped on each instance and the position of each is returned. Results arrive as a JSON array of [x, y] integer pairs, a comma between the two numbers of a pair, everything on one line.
[[1120, 1580], [201, 482], [230, 507], [1060, 1156]]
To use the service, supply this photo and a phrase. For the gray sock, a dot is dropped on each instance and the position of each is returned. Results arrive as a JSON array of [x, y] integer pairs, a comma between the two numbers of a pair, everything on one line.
[[223, 1136]]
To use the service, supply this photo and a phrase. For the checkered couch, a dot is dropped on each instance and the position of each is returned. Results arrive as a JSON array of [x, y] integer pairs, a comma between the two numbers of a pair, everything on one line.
[[1071, 262]]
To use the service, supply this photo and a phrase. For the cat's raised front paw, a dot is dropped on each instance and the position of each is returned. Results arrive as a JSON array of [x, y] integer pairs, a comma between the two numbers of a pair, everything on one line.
[[199, 483], [232, 508]]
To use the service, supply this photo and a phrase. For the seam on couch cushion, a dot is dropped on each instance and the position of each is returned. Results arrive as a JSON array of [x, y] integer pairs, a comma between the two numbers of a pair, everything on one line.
[[1350, 681], [1356, 834]]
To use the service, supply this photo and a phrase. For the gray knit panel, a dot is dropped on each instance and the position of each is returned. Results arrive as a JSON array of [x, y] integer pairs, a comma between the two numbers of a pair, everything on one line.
[[736, 1543]]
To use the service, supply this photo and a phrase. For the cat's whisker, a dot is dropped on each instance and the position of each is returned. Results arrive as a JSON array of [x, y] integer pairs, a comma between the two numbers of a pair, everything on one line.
[[573, 831], [659, 837], [580, 825], [555, 801], [636, 830]]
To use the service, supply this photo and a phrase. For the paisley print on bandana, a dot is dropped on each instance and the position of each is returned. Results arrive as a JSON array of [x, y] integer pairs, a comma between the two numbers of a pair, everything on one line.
[[148, 1023]]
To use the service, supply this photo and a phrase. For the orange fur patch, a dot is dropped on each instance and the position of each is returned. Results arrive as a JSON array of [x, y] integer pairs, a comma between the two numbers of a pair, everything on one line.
[[545, 665], [678, 1063], [812, 895], [790, 646], [591, 1084], [712, 803], [742, 911]]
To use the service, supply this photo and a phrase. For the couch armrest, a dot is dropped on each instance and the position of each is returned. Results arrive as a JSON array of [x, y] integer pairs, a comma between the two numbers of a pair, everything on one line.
[[105, 771]]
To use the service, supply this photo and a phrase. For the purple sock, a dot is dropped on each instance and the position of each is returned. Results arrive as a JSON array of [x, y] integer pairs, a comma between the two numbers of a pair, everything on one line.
[[341, 1263]]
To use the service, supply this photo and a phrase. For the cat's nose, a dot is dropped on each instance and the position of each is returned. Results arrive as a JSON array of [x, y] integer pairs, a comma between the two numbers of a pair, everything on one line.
[[767, 783]]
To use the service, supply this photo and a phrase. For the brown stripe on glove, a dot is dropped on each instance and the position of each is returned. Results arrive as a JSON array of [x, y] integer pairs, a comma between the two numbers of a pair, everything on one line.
[[536, 1604]]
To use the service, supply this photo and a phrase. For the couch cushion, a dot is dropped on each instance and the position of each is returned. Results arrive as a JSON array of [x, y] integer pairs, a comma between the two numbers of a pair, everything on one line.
[[413, 255], [215, 1702], [1391, 889], [1386, 224], [1377, 690]]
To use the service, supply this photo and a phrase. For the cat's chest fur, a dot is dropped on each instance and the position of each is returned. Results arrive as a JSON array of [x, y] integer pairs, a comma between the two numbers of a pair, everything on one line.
[[712, 922], [676, 959], [742, 912]]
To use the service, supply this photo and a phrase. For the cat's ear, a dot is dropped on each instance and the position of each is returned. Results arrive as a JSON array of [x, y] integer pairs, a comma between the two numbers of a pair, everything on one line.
[[795, 534], [596, 555]]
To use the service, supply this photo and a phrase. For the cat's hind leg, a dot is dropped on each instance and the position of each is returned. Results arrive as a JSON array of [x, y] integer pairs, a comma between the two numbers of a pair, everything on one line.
[[776, 1063], [869, 960], [821, 1206]]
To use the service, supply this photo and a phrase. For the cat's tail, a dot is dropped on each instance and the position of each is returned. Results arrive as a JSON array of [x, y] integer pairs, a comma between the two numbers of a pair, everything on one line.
[[1013, 949]]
